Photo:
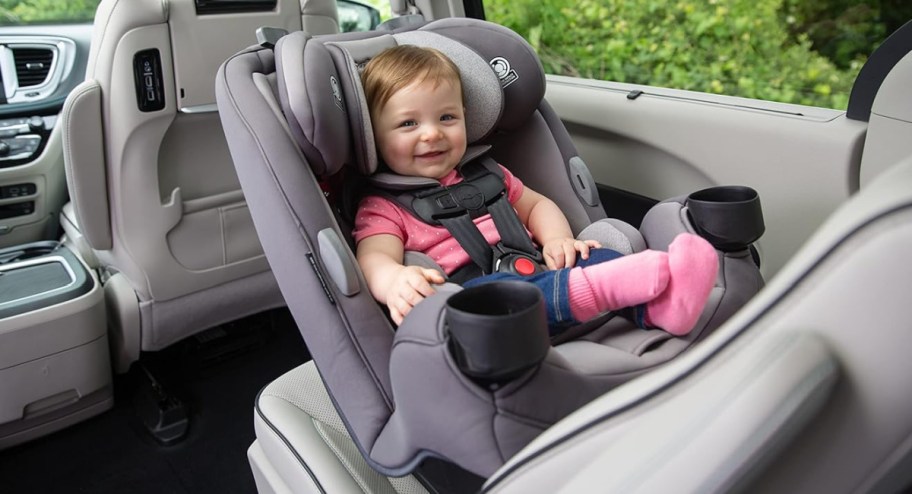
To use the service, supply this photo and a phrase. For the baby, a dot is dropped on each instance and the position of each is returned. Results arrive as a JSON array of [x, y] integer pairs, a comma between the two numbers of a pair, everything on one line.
[[415, 100]]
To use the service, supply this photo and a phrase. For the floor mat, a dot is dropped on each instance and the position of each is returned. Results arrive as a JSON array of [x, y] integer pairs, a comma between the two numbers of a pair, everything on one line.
[[216, 374]]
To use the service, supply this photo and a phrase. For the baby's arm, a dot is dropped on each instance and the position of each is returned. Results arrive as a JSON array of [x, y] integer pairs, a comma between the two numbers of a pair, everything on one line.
[[551, 230], [399, 287]]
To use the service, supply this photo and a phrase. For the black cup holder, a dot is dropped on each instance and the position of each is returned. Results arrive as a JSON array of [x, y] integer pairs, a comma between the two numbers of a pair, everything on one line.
[[728, 216], [498, 330]]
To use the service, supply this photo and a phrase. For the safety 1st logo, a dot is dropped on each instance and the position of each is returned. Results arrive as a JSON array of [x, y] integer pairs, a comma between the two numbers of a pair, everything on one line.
[[504, 72], [336, 92]]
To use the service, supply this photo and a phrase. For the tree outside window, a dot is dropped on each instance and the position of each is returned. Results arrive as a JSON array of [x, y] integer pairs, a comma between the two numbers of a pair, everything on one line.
[[794, 51], [17, 12]]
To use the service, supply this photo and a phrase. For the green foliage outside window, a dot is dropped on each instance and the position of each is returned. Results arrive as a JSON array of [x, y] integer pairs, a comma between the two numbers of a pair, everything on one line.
[[383, 6], [15, 12], [749, 48], [795, 51]]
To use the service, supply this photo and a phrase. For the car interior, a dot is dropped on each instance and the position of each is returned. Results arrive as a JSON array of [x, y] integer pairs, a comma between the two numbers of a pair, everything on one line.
[[174, 267]]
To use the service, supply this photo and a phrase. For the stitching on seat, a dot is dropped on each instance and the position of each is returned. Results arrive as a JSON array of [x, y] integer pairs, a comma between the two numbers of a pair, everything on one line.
[[288, 446], [349, 465]]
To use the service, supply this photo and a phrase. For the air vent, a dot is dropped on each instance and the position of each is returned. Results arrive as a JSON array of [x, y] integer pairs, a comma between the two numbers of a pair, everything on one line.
[[32, 65]]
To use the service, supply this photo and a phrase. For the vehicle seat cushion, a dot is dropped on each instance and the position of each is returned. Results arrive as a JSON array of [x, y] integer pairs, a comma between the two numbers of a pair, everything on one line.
[[319, 17], [296, 405]]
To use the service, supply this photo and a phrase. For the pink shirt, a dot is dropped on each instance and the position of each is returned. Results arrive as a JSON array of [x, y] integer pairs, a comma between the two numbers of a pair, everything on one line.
[[377, 215]]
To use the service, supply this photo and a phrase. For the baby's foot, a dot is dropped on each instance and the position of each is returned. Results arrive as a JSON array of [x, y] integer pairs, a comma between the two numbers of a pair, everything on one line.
[[693, 265]]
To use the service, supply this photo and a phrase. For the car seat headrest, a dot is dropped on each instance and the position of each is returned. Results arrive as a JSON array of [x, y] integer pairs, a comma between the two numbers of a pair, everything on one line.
[[321, 94], [512, 59]]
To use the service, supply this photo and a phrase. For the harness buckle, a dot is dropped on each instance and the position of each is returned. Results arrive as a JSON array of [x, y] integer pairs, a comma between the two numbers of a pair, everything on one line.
[[516, 262]]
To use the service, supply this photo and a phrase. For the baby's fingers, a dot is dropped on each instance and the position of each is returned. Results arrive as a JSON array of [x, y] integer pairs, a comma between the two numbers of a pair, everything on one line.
[[433, 276], [411, 296], [583, 248], [569, 252], [553, 262], [396, 316], [400, 307], [420, 287]]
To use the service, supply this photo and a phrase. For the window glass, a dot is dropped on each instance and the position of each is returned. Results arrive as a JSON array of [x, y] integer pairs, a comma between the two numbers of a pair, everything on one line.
[[17, 12], [357, 16], [794, 51], [362, 15]]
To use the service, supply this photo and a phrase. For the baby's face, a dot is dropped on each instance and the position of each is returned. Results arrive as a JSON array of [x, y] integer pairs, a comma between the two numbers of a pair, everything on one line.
[[421, 129]]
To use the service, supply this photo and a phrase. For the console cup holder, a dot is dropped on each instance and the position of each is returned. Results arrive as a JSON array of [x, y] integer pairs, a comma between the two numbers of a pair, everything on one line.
[[728, 216], [498, 330]]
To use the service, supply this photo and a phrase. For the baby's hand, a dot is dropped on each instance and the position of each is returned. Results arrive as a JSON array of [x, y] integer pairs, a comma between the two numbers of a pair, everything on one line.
[[561, 252], [410, 286]]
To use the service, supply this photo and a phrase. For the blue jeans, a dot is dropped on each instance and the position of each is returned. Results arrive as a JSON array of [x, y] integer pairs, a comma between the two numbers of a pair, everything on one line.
[[555, 288]]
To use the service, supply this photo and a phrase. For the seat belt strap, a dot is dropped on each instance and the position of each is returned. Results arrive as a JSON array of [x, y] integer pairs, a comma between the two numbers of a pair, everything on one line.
[[470, 238], [454, 207], [512, 232]]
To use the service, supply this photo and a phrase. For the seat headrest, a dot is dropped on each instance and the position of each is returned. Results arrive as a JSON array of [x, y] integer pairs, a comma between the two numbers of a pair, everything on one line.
[[323, 101]]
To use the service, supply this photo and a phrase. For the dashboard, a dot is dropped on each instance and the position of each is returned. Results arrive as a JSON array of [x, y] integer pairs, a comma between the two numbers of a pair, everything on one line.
[[39, 66]]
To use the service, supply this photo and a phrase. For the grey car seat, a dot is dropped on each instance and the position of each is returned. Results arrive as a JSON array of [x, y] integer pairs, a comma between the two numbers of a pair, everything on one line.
[[803, 390], [295, 115]]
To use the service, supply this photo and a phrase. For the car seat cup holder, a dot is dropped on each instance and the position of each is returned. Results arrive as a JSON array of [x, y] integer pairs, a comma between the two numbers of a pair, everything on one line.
[[498, 330], [728, 216]]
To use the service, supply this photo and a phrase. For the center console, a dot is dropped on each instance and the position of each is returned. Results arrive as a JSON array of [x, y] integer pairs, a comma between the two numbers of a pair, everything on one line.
[[32, 183], [54, 358]]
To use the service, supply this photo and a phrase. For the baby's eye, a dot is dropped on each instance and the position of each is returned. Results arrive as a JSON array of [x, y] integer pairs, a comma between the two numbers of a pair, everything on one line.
[[447, 117], [408, 123]]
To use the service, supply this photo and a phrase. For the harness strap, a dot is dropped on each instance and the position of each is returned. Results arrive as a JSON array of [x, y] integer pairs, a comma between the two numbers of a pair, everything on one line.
[[512, 232], [470, 238], [454, 207]]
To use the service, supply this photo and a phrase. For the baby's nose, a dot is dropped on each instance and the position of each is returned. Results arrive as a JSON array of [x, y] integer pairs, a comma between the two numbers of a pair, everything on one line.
[[431, 132]]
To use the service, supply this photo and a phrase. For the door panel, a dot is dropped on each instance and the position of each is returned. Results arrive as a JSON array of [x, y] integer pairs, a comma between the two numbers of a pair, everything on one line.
[[803, 161]]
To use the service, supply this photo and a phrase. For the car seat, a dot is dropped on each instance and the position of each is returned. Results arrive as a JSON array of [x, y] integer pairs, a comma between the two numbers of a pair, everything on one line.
[[803, 390], [295, 116], [155, 201]]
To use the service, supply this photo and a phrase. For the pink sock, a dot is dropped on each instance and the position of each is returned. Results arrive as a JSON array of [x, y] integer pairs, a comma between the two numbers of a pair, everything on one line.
[[623, 282], [693, 264]]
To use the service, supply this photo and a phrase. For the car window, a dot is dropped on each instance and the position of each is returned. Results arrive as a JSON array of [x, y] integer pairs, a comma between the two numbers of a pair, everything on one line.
[[353, 15], [358, 16], [22, 12], [792, 51]]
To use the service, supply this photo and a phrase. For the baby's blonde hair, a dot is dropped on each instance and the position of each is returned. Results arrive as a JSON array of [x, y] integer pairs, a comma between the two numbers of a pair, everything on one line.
[[400, 66]]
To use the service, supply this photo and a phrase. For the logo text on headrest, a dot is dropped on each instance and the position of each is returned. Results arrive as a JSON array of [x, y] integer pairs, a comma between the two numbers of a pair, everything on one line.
[[504, 72], [337, 93]]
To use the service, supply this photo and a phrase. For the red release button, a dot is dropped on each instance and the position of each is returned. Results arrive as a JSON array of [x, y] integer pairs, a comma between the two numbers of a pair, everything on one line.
[[524, 266]]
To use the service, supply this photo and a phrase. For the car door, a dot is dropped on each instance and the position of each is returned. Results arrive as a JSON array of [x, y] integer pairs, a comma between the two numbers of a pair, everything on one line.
[[664, 143], [713, 94], [40, 62]]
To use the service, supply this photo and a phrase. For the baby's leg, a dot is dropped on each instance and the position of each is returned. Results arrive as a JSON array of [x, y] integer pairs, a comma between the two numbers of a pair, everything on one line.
[[581, 293], [674, 285], [553, 285], [693, 265], [623, 282]]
